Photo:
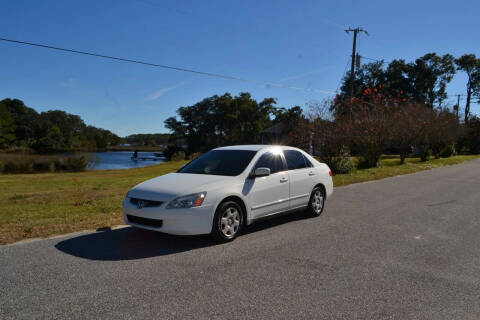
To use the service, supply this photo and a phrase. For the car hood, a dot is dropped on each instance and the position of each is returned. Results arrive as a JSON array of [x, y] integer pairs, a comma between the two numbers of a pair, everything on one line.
[[172, 185]]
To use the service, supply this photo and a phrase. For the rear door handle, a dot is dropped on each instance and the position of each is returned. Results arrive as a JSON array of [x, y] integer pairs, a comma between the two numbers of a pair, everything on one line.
[[284, 179], [311, 173]]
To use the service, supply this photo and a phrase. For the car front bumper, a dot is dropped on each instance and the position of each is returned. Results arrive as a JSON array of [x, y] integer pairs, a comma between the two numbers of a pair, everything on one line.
[[185, 221]]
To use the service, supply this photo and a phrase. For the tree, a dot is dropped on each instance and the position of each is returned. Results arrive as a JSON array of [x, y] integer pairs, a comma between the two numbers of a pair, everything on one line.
[[52, 141], [295, 126], [369, 75], [405, 128], [423, 81], [51, 131], [430, 75], [26, 120], [7, 127], [445, 131], [470, 64], [222, 120], [331, 137]]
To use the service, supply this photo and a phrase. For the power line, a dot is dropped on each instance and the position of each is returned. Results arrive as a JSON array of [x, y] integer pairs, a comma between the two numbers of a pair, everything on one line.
[[343, 75], [164, 66]]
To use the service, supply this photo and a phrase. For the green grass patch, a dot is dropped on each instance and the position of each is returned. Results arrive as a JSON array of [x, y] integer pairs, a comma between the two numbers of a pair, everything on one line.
[[390, 167], [45, 204]]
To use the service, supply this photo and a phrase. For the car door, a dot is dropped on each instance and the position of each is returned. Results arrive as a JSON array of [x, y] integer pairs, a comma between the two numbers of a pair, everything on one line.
[[269, 194], [302, 178]]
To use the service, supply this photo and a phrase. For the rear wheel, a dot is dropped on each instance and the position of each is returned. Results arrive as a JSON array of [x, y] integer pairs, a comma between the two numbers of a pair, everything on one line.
[[317, 201], [228, 221]]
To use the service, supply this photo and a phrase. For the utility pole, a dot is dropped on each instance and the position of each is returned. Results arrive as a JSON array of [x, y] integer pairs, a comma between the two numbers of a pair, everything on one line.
[[458, 104], [354, 54]]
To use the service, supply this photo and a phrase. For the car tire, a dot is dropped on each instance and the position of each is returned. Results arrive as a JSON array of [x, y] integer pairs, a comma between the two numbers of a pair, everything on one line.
[[316, 203], [227, 222]]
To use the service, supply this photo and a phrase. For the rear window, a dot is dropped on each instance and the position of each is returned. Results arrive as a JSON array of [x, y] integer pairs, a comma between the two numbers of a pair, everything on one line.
[[295, 159], [307, 161], [220, 162]]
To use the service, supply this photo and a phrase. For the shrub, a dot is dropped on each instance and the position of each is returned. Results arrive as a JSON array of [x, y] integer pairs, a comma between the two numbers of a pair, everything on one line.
[[469, 143], [464, 150], [448, 151], [78, 163], [28, 163], [1, 166], [18, 167], [177, 156], [342, 163], [43, 166], [10, 167], [170, 150]]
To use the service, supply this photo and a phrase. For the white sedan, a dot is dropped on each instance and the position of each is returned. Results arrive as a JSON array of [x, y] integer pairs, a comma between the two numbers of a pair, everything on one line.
[[227, 188]]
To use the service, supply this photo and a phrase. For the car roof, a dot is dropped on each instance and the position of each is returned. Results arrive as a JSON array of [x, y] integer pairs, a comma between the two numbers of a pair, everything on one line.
[[253, 147]]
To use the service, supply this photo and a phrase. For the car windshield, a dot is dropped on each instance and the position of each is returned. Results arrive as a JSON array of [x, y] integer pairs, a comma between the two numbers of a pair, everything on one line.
[[220, 162]]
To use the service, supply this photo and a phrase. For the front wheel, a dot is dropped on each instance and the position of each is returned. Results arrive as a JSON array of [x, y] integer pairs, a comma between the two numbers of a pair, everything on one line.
[[317, 202], [228, 221]]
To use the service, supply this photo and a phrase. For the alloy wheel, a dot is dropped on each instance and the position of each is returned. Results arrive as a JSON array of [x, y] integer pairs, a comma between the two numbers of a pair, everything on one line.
[[229, 222]]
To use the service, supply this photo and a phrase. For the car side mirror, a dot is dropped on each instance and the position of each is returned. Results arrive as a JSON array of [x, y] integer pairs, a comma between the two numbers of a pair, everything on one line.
[[262, 172]]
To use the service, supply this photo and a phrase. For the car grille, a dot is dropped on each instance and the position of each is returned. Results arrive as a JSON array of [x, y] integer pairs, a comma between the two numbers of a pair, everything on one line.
[[146, 203], [145, 221]]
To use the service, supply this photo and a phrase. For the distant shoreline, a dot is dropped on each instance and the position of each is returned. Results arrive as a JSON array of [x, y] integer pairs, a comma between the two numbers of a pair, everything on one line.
[[109, 148], [133, 148]]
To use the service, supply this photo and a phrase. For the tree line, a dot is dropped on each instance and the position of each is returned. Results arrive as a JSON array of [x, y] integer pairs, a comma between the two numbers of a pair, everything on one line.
[[226, 120], [396, 108], [423, 81], [50, 131], [147, 139]]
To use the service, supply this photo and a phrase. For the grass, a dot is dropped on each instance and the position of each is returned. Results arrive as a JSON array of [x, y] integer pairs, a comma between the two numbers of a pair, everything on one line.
[[390, 167], [30, 163], [41, 205]]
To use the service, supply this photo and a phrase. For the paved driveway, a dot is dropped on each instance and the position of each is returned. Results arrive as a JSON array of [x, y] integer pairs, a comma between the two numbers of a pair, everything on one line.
[[400, 248]]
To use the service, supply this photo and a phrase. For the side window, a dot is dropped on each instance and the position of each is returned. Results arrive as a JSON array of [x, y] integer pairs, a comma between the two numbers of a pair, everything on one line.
[[309, 164], [295, 159], [272, 161]]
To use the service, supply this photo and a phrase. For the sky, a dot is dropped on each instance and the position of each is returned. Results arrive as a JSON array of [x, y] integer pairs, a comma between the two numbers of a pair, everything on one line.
[[299, 44]]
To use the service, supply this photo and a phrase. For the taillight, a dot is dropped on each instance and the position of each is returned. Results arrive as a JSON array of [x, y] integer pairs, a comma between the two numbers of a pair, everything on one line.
[[330, 173]]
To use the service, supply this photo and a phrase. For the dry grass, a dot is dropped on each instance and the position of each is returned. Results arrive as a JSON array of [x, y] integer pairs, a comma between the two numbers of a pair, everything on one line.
[[40, 205]]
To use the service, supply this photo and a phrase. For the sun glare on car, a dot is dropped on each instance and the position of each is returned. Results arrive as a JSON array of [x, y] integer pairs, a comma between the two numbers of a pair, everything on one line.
[[276, 151]]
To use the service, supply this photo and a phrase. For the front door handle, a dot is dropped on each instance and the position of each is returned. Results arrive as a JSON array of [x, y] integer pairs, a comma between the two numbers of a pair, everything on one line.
[[311, 173], [284, 179]]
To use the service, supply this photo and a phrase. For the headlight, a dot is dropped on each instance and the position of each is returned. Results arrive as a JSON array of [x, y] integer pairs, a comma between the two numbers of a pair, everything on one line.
[[190, 201]]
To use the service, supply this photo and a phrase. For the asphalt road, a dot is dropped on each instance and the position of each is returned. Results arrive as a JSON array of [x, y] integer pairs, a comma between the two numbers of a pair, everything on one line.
[[401, 248]]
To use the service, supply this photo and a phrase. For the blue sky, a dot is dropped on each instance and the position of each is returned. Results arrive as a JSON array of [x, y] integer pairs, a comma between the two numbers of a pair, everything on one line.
[[296, 43]]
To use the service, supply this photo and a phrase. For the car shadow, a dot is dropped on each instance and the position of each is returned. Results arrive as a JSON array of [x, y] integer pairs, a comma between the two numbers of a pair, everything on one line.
[[131, 243]]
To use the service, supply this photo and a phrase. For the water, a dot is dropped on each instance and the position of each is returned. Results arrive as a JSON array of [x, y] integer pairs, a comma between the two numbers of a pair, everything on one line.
[[119, 160]]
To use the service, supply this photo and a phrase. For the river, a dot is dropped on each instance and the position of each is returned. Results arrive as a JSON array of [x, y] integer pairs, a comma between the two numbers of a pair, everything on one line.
[[119, 160]]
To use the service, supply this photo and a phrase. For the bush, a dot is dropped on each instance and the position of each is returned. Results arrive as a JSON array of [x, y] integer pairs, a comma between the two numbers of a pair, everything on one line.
[[77, 163], [464, 150], [177, 156], [43, 166], [369, 159], [28, 163], [18, 167], [170, 150], [469, 143], [342, 163], [448, 151]]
